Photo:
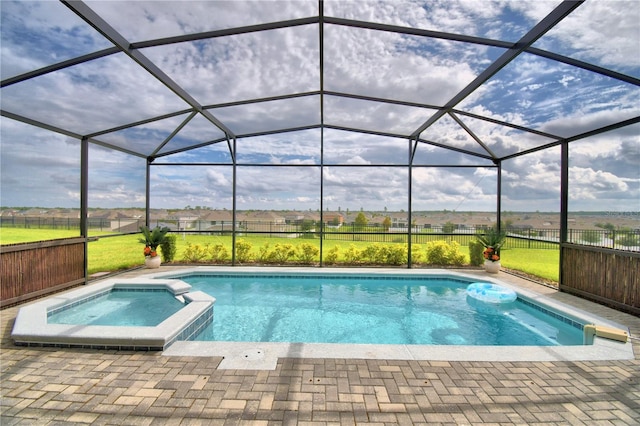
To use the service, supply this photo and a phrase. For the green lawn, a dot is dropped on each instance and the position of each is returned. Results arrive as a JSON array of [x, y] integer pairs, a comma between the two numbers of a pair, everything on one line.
[[112, 253], [543, 263]]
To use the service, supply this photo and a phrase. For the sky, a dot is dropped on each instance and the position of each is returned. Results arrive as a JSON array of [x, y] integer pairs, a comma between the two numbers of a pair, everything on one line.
[[361, 170]]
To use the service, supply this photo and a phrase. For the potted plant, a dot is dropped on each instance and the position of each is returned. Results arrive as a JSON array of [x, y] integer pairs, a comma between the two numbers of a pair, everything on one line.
[[152, 239], [492, 240]]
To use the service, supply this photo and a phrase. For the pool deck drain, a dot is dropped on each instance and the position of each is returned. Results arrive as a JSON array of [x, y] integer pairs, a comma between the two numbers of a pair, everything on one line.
[[47, 386], [265, 355]]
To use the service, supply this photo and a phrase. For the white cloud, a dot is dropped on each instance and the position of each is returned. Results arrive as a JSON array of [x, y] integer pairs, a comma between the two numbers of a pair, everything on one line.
[[581, 121], [587, 183], [606, 32], [77, 98], [112, 91], [144, 20], [244, 66], [55, 34]]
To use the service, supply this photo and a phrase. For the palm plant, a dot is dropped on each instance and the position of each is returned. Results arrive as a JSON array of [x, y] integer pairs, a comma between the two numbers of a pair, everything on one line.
[[152, 239], [493, 239]]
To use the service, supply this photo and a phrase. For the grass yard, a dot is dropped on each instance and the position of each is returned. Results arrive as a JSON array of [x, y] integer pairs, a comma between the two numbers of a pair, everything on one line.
[[113, 253], [543, 263], [29, 235]]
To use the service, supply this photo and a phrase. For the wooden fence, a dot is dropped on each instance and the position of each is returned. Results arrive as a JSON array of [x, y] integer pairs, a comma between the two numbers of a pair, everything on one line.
[[611, 277], [31, 270]]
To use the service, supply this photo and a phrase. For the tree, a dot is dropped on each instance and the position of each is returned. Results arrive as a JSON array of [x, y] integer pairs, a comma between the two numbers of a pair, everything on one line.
[[591, 236], [386, 223], [361, 220], [448, 228]]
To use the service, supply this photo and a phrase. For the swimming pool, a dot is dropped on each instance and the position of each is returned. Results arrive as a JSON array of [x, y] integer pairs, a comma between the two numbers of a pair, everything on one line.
[[265, 355], [371, 309], [115, 314], [174, 336], [127, 307]]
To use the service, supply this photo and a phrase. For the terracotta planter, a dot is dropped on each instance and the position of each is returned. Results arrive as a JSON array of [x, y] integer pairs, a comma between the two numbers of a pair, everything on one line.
[[152, 262], [492, 267]]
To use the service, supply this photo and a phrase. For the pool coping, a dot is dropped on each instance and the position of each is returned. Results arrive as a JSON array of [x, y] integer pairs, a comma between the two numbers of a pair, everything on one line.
[[264, 355], [31, 327]]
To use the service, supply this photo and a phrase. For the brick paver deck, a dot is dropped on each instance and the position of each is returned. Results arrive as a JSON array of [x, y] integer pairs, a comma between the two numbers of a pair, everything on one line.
[[52, 386]]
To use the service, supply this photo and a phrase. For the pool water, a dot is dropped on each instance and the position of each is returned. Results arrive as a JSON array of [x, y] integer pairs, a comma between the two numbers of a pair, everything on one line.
[[119, 307], [370, 309]]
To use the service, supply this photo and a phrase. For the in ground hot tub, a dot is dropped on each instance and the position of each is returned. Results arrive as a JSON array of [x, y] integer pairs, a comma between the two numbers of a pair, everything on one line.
[[120, 314]]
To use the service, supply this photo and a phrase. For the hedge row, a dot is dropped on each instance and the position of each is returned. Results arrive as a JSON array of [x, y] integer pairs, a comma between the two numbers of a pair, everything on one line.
[[432, 253]]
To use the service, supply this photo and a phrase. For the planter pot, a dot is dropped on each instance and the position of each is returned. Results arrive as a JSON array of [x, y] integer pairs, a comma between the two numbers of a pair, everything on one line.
[[492, 267], [152, 262]]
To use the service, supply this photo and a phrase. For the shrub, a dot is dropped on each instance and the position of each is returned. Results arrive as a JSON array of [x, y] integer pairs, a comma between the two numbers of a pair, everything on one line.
[[264, 254], [475, 252], [443, 253], [218, 253], [195, 253], [168, 248], [282, 253], [332, 256], [352, 255], [373, 253], [628, 240], [307, 253], [395, 254], [416, 254], [243, 251]]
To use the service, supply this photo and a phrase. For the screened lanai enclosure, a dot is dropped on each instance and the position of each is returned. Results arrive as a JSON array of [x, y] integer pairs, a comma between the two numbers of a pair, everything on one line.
[[329, 107]]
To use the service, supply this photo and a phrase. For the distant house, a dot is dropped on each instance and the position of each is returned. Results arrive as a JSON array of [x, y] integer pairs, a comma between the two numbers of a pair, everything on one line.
[[330, 218], [185, 222], [264, 221], [399, 222], [294, 218], [217, 220]]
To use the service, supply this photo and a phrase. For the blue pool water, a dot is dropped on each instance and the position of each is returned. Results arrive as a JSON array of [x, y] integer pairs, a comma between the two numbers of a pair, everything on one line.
[[370, 309], [119, 307]]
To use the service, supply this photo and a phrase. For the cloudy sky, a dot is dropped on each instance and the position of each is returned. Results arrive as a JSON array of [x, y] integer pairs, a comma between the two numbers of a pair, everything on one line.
[[361, 170]]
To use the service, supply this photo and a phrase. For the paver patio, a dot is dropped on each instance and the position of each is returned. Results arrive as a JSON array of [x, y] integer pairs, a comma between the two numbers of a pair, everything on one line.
[[42, 386]]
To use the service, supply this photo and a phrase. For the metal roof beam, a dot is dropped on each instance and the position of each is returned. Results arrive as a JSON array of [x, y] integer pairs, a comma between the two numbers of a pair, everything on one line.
[[590, 133], [266, 99], [39, 124], [472, 134], [453, 148], [58, 130], [139, 123], [584, 65], [100, 25], [506, 123], [175, 132], [117, 148], [604, 129], [384, 100], [225, 32], [435, 107], [59, 66], [559, 13], [200, 145], [417, 32]]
